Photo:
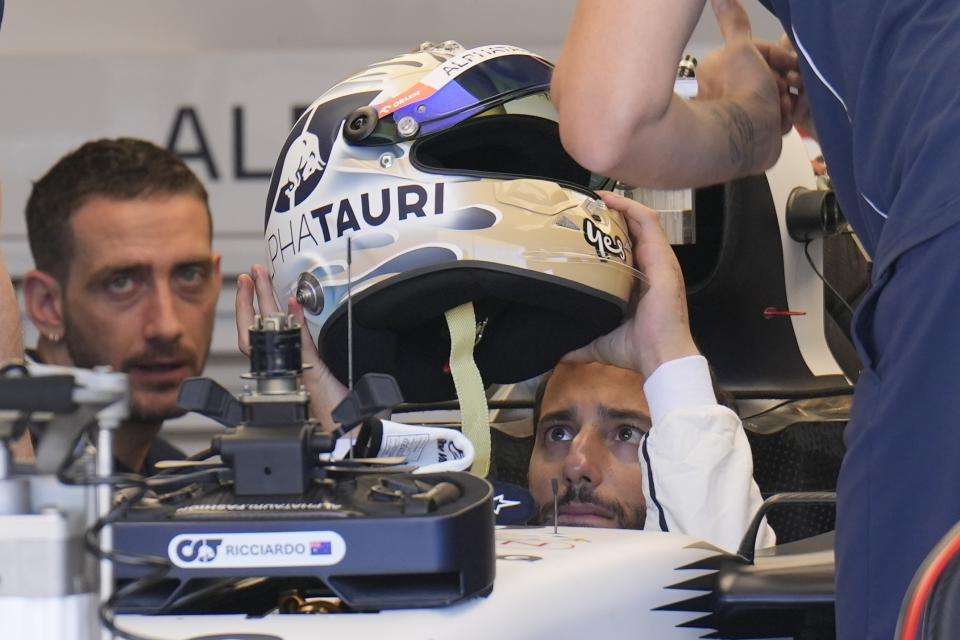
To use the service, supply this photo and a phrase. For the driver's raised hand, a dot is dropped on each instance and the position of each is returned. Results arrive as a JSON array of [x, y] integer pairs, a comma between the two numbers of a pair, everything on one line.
[[325, 390], [657, 329]]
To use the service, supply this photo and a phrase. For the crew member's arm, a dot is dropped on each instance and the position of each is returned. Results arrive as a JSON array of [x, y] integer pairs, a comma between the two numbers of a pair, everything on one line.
[[619, 117], [325, 390], [11, 334], [696, 460], [11, 343]]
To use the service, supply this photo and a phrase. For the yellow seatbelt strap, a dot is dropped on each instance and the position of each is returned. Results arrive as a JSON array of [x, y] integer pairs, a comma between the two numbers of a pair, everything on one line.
[[461, 321]]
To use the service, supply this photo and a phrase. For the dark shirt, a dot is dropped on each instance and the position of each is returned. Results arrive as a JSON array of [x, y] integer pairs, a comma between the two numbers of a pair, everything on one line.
[[160, 450], [882, 81]]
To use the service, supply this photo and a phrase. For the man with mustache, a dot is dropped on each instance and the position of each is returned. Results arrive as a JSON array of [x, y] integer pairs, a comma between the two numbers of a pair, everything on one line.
[[120, 232], [639, 440]]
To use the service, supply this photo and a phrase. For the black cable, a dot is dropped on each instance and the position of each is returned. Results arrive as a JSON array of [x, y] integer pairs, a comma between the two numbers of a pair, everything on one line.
[[793, 394], [770, 409], [161, 566], [452, 405], [219, 588], [14, 365], [790, 401], [158, 567], [806, 252], [107, 612], [155, 481]]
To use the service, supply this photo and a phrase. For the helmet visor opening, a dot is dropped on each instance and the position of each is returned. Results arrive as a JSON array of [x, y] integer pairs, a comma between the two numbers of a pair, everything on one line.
[[504, 145]]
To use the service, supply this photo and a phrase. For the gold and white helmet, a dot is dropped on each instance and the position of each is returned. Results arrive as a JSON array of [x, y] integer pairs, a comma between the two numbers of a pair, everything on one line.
[[445, 170]]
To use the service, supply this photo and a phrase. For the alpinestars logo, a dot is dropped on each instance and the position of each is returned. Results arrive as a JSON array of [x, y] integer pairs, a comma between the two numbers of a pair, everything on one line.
[[201, 550], [603, 243], [499, 502]]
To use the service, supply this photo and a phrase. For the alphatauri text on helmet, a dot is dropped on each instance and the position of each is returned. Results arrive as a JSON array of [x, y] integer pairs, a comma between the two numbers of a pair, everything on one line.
[[454, 66], [352, 214]]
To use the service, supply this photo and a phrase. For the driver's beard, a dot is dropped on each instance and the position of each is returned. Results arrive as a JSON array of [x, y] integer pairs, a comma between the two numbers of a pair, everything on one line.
[[627, 518]]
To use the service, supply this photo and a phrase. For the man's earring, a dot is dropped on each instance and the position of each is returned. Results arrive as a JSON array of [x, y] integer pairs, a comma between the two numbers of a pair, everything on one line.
[[54, 337]]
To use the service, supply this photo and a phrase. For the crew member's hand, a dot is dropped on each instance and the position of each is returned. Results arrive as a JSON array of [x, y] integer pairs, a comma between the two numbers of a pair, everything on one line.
[[786, 73], [11, 335], [800, 115], [751, 76], [658, 328], [325, 390]]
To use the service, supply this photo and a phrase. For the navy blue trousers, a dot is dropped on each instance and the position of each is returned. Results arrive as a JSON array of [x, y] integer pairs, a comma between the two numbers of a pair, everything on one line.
[[899, 487]]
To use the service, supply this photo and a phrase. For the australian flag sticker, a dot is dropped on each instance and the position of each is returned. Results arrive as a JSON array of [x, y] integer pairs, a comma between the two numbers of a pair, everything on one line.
[[320, 549]]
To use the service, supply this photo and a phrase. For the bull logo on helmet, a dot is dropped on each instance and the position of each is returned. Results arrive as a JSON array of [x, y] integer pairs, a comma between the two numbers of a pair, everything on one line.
[[302, 168], [303, 159]]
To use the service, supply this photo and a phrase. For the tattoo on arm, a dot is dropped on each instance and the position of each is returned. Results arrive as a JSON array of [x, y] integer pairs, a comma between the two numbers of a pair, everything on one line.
[[741, 136]]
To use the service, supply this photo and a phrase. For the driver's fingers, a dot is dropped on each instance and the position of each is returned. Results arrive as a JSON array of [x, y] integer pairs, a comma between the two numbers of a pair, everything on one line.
[[266, 301], [643, 222], [308, 348], [244, 312]]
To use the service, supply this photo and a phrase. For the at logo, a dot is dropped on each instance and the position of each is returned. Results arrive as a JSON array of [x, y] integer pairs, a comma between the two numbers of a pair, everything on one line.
[[455, 451], [603, 243], [446, 449], [202, 550], [499, 502]]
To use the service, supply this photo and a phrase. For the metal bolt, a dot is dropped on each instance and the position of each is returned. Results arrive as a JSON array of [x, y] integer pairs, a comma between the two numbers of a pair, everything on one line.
[[310, 292], [407, 127], [358, 123], [386, 160]]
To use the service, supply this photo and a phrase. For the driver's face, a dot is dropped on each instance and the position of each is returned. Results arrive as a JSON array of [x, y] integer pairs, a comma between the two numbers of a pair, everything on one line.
[[591, 421]]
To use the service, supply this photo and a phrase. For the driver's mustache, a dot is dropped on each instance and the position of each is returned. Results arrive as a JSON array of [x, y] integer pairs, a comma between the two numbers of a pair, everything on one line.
[[582, 494]]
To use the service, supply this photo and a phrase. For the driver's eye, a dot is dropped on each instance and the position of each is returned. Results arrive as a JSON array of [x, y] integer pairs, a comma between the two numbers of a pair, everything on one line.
[[629, 434], [558, 434]]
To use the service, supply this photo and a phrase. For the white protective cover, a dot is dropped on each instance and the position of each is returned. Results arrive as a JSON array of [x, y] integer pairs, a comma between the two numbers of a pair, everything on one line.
[[578, 583], [71, 617]]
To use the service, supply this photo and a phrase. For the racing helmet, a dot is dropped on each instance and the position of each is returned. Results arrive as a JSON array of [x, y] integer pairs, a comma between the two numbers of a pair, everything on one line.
[[433, 179]]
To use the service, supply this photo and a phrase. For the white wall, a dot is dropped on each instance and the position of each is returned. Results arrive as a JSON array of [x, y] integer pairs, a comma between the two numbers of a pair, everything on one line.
[[123, 26], [73, 71]]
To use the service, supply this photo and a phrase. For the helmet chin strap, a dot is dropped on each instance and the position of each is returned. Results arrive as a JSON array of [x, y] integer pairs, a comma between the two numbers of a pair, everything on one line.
[[462, 323]]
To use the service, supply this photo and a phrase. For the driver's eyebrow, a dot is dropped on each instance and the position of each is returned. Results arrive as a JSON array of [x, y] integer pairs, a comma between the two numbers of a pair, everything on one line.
[[611, 413], [562, 415]]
